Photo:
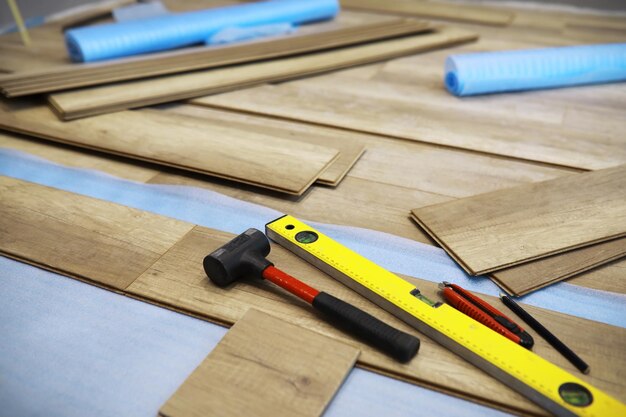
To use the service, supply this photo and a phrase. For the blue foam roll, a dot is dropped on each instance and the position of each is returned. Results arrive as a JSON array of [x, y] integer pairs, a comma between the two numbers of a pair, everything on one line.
[[115, 40], [494, 72]]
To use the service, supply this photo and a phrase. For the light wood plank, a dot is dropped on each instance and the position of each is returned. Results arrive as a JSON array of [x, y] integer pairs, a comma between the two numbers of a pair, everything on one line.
[[180, 141], [81, 236], [502, 126], [437, 10], [264, 367], [505, 228], [350, 150], [531, 276], [606, 278], [130, 94], [78, 158], [21, 58]]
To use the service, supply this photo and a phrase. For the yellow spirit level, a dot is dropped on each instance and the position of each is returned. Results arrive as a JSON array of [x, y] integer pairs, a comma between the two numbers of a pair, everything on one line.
[[544, 383]]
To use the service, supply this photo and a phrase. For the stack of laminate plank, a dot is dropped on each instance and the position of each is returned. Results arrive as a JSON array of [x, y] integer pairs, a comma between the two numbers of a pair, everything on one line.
[[532, 235], [326, 36], [100, 99], [101, 95], [272, 159], [354, 38]]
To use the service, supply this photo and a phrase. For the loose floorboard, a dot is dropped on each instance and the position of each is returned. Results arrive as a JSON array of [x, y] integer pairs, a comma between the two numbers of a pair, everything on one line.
[[78, 158], [349, 146], [180, 141], [80, 236], [509, 227], [437, 10], [131, 94], [264, 366], [531, 276], [443, 184]]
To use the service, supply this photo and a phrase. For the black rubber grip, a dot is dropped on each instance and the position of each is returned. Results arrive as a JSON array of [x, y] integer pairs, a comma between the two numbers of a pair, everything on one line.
[[395, 343]]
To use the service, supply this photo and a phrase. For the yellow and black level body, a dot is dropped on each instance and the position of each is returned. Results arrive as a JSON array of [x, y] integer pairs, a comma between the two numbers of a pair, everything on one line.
[[551, 387]]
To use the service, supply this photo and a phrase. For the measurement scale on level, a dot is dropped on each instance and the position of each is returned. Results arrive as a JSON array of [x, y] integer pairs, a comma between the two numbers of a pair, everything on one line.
[[529, 374]]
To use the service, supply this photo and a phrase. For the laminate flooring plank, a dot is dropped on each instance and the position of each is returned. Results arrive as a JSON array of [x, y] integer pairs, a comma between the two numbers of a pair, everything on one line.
[[416, 113], [531, 276], [79, 236], [20, 58], [606, 278], [78, 158], [312, 38], [182, 142], [505, 228], [264, 366], [350, 149], [130, 94], [436, 10]]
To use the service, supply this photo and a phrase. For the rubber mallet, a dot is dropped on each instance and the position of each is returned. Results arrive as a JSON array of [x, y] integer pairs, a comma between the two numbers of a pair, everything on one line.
[[244, 256]]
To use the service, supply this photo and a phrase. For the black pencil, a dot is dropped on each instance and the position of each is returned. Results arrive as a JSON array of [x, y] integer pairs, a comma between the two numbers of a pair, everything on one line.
[[545, 333]]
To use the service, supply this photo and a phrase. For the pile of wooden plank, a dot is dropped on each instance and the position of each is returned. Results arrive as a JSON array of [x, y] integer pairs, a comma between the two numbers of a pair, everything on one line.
[[530, 236], [100, 94], [425, 149]]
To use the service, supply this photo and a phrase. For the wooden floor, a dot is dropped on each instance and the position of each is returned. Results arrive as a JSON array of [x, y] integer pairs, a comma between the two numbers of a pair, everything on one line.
[[422, 146]]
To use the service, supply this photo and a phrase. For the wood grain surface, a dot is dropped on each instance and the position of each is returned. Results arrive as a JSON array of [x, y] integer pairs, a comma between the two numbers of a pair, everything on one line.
[[180, 141], [130, 94], [264, 366], [80, 236], [437, 10], [505, 228], [20, 58], [531, 276], [349, 146], [70, 156]]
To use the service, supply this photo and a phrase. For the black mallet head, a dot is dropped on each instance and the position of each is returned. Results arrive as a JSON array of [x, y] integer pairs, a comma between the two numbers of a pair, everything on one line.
[[241, 257]]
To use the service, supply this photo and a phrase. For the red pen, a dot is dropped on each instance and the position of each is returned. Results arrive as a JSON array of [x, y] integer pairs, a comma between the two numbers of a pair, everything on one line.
[[485, 313]]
